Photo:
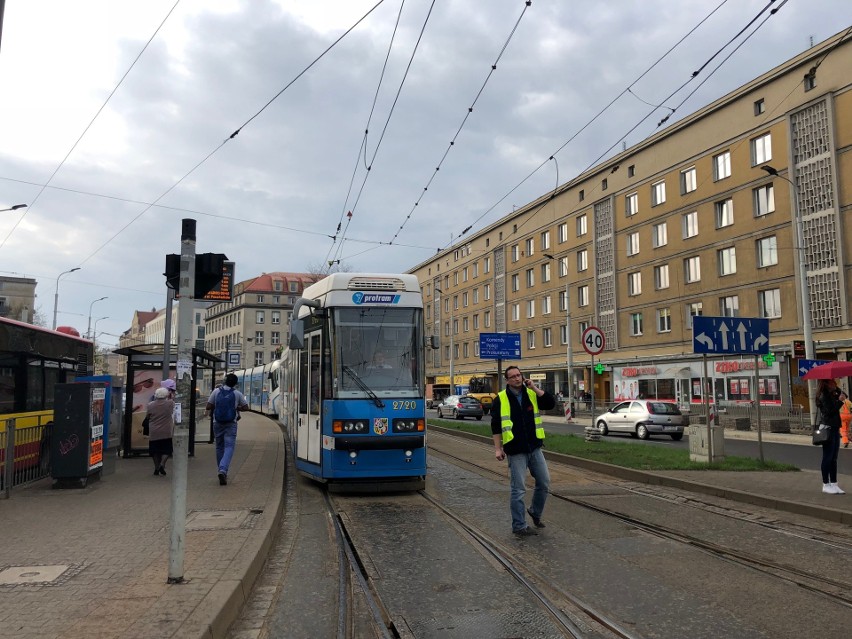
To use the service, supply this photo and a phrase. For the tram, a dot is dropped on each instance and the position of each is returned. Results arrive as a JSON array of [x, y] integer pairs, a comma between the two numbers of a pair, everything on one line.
[[352, 382], [259, 384], [33, 360]]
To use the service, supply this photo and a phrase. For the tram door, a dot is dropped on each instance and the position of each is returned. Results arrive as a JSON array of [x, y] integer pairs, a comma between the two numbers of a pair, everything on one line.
[[310, 426]]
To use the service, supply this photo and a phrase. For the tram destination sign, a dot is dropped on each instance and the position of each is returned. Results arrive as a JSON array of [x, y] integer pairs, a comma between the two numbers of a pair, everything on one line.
[[500, 345], [726, 335]]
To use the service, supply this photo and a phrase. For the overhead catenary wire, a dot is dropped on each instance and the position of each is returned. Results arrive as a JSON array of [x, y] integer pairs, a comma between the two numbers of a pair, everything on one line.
[[89, 125]]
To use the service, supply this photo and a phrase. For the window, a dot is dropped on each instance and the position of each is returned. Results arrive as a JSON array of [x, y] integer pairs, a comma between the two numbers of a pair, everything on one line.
[[516, 283], [465, 299], [692, 310], [724, 213], [516, 312], [583, 295], [660, 234], [530, 308], [446, 353], [809, 81], [464, 274], [530, 246], [455, 327], [727, 258], [476, 296], [486, 292], [545, 240], [729, 306], [582, 225], [767, 251], [531, 340], [582, 194], [631, 204], [476, 349], [634, 283], [487, 319], [258, 338], [475, 269], [545, 272], [636, 324], [604, 184], [563, 301], [476, 322], [545, 305], [465, 324], [455, 302], [581, 328], [547, 337], [563, 334], [664, 320], [658, 193], [770, 303], [582, 260], [764, 200], [516, 252], [486, 265], [633, 243], [455, 278], [276, 317], [259, 317], [661, 276], [563, 232], [294, 287], [260, 299], [631, 170], [466, 350], [692, 269], [759, 106], [690, 224], [688, 180], [530, 277], [761, 149], [258, 358], [563, 266], [275, 338], [722, 166]]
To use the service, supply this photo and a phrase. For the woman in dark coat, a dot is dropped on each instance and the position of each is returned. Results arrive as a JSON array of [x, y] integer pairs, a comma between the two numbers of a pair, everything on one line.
[[160, 428], [829, 403]]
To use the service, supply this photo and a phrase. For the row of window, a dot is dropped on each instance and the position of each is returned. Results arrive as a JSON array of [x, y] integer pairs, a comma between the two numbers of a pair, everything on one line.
[[217, 344]]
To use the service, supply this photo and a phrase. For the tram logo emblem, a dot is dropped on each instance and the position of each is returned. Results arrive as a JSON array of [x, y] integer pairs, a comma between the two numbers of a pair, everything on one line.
[[375, 298], [380, 425]]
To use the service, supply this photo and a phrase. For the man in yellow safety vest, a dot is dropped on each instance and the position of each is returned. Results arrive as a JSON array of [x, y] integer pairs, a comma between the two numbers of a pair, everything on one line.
[[518, 435]]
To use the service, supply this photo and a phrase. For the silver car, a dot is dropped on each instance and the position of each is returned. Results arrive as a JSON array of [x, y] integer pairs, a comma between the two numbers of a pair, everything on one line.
[[460, 407], [643, 418]]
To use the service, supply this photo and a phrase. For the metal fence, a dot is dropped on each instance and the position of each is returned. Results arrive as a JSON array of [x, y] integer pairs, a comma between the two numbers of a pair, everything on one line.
[[29, 447], [770, 414]]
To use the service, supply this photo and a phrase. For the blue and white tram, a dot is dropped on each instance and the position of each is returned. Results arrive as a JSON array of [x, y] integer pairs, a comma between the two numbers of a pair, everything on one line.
[[352, 382], [260, 387]]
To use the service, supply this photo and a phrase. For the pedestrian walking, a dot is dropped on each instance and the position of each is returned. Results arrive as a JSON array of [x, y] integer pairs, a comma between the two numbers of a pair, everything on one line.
[[845, 419], [225, 402], [161, 426], [829, 404], [518, 433]]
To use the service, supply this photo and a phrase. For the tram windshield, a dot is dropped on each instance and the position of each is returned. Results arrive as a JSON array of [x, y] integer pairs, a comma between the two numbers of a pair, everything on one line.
[[376, 351]]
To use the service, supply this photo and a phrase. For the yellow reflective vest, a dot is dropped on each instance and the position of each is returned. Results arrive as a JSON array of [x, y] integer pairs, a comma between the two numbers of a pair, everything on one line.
[[506, 416]]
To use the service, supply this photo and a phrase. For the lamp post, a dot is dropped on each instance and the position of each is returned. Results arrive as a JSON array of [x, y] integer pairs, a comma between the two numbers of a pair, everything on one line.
[[56, 294], [803, 286], [569, 352], [89, 327], [14, 208]]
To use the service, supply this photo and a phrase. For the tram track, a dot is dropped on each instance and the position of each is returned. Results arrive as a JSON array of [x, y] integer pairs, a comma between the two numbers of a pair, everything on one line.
[[835, 590]]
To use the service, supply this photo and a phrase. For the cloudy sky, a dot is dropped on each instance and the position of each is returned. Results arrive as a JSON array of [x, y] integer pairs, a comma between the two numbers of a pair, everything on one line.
[[115, 117]]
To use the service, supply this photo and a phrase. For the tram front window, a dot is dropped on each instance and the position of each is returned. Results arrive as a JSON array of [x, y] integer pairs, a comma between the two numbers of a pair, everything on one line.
[[378, 345]]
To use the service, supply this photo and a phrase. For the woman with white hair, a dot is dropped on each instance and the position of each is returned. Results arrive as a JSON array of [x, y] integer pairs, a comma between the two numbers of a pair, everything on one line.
[[160, 428]]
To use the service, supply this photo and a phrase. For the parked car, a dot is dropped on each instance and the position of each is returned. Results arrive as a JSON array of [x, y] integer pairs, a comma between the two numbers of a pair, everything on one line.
[[643, 418], [459, 407]]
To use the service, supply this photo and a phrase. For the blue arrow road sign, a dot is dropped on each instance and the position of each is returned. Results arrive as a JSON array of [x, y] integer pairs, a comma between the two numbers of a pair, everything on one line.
[[807, 364], [500, 345], [725, 335]]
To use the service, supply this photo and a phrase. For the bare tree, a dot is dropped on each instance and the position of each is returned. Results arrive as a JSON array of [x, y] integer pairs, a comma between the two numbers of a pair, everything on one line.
[[320, 270]]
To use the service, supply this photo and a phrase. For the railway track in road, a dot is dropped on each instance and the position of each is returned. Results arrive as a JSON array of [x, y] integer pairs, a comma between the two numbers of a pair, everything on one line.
[[839, 592]]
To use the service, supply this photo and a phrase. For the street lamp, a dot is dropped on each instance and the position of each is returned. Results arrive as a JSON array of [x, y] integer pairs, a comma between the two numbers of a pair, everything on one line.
[[95, 332], [569, 355], [803, 286], [14, 208], [89, 327], [450, 305], [56, 294]]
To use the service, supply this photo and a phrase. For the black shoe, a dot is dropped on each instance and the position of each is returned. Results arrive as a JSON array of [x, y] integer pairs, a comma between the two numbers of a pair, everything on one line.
[[536, 520], [162, 470], [525, 532], [223, 479], [157, 471]]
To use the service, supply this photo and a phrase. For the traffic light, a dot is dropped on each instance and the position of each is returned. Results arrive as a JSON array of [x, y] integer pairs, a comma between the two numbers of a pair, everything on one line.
[[208, 272], [172, 271]]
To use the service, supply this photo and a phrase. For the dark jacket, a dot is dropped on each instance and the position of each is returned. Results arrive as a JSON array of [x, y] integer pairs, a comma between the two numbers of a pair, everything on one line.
[[829, 408], [523, 422]]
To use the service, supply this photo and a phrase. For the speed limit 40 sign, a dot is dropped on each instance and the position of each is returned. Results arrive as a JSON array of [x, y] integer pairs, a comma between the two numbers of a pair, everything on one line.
[[593, 340]]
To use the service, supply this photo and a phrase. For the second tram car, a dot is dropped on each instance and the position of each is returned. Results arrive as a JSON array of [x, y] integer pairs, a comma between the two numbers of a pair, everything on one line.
[[352, 382], [260, 387]]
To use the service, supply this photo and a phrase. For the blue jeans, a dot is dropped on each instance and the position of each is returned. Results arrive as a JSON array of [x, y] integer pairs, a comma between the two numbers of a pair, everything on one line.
[[518, 466], [226, 438]]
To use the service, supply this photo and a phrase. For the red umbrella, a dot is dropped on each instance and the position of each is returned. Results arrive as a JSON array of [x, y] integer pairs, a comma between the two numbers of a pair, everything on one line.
[[829, 370]]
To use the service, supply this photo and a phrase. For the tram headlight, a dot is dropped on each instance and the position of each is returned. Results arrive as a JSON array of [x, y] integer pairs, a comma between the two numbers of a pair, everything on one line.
[[408, 425], [349, 426]]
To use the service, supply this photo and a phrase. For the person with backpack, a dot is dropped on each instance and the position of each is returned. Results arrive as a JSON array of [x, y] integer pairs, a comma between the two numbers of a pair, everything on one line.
[[225, 402]]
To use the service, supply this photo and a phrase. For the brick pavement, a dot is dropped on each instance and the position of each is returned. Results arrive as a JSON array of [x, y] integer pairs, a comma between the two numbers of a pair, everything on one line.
[[114, 536]]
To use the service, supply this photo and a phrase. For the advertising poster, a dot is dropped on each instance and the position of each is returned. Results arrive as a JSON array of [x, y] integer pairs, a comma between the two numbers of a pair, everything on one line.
[[96, 448], [145, 382], [734, 387]]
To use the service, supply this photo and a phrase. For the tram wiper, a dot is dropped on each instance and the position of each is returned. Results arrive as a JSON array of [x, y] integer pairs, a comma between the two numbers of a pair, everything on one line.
[[360, 383]]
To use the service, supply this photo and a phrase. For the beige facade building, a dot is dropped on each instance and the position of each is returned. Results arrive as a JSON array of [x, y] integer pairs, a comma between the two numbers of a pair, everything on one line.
[[687, 222], [17, 298]]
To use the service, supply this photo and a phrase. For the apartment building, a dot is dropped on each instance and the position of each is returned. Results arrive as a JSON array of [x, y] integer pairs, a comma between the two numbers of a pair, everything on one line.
[[688, 222], [17, 298]]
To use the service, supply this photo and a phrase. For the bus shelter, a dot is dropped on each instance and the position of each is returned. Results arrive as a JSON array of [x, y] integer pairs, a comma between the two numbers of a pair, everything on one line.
[[144, 374]]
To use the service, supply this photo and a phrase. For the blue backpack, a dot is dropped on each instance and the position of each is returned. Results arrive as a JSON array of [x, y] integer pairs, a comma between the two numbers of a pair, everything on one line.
[[225, 408]]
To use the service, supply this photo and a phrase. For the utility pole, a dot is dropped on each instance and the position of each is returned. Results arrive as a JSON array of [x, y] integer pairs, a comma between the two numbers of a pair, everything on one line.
[[177, 537]]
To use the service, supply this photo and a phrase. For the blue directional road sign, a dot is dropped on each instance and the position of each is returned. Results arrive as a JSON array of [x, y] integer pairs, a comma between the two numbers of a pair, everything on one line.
[[500, 345], [726, 335], [807, 364]]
